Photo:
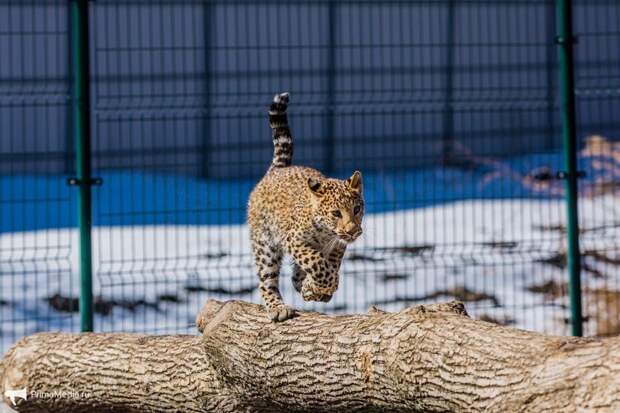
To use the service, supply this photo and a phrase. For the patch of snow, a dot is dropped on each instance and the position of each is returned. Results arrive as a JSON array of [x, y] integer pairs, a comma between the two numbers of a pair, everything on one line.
[[493, 248]]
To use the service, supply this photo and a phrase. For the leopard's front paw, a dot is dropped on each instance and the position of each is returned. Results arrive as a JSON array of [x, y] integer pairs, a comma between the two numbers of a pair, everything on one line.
[[312, 296], [312, 293], [325, 297], [281, 313], [307, 294]]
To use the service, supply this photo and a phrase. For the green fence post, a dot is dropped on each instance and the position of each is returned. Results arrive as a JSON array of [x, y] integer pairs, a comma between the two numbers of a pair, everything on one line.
[[330, 119], [565, 40], [81, 133]]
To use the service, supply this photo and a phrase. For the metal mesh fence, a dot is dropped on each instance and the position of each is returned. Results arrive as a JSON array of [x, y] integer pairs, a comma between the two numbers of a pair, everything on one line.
[[36, 207], [597, 90], [449, 108]]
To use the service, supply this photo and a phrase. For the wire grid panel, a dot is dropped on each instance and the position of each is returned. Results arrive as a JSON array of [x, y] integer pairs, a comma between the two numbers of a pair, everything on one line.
[[449, 109], [36, 206], [597, 28]]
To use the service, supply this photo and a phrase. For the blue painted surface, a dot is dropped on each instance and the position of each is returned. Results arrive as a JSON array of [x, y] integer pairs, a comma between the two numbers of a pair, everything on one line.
[[31, 202]]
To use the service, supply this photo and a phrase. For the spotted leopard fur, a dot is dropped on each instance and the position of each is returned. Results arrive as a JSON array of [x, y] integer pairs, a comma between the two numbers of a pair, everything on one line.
[[296, 211]]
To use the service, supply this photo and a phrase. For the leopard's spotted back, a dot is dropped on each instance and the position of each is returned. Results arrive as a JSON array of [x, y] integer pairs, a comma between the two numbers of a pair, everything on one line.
[[296, 211]]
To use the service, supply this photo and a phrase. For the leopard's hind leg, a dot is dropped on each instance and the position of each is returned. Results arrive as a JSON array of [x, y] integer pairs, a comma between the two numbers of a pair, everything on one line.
[[268, 260]]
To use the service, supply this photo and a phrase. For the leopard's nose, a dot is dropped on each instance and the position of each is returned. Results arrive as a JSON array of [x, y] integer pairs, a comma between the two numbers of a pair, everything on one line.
[[350, 228]]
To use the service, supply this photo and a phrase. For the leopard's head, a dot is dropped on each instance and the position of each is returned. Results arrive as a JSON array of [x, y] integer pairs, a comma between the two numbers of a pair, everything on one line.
[[338, 206]]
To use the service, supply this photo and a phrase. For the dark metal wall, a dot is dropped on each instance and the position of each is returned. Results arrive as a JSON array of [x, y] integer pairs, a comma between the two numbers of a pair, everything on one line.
[[374, 85]]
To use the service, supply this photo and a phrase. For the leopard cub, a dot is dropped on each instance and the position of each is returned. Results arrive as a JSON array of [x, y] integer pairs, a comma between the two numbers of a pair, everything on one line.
[[296, 211]]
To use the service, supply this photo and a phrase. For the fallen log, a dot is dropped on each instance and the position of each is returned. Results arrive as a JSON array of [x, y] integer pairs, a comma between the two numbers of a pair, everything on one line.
[[425, 358], [114, 372]]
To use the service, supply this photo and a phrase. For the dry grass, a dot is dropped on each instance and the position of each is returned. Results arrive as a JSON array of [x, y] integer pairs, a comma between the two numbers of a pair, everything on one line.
[[602, 154], [601, 305], [496, 320], [551, 289]]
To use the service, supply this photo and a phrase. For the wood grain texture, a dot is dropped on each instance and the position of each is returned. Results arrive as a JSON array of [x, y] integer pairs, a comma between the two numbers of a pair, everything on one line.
[[112, 372], [425, 358]]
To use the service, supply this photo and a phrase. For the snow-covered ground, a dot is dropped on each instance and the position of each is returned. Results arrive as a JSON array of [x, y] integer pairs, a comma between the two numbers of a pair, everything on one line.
[[155, 278], [488, 232]]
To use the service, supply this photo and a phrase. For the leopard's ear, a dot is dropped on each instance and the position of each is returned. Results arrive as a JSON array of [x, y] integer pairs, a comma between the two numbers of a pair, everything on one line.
[[315, 186], [355, 181]]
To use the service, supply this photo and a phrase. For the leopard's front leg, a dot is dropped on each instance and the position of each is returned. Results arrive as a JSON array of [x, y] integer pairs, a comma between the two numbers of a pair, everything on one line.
[[315, 274]]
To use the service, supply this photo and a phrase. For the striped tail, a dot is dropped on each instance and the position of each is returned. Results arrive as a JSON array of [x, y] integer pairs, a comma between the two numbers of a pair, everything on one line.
[[282, 140]]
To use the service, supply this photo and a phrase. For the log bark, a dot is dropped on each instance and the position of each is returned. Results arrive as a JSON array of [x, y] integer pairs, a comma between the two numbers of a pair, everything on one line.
[[426, 358], [111, 372]]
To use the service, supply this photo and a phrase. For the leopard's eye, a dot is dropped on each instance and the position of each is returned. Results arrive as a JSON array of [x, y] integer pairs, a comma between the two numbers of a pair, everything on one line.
[[357, 209], [336, 213]]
